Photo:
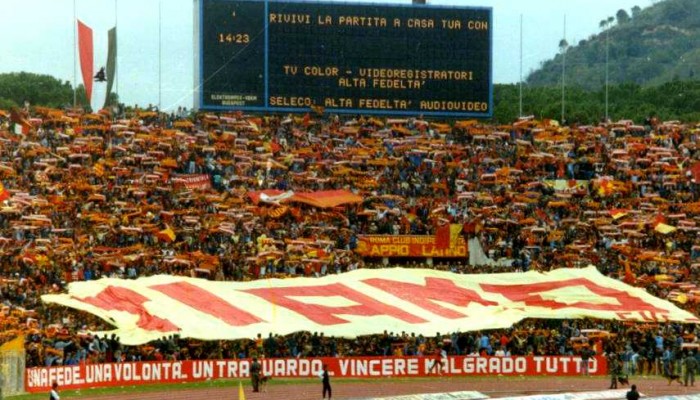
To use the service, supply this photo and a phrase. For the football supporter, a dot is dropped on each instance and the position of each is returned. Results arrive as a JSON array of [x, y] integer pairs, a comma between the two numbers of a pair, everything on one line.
[[87, 196]]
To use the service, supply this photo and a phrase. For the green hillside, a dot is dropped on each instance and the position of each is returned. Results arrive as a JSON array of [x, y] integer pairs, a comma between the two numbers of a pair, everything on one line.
[[654, 45]]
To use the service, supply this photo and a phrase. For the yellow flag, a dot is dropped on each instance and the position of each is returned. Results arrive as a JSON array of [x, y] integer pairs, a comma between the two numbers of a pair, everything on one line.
[[241, 393], [99, 169], [665, 229], [455, 230], [167, 235]]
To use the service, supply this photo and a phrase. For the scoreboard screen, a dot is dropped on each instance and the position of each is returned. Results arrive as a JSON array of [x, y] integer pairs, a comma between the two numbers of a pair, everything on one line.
[[292, 56]]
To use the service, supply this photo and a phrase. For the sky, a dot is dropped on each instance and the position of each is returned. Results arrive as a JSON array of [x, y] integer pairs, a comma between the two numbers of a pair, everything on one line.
[[38, 36]]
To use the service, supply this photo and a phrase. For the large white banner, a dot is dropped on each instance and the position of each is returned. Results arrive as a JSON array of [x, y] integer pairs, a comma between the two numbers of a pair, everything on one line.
[[358, 303]]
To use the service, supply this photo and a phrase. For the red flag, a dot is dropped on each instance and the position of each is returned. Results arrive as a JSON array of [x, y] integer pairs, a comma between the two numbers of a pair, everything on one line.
[[442, 237], [4, 194], [86, 50], [618, 213], [695, 171], [658, 219]]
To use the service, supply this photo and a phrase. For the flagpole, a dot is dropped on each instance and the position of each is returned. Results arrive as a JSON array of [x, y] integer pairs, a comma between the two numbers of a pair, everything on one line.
[[607, 52], [75, 56], [563, 75], [160, 59], [116, 58], [521, 65]]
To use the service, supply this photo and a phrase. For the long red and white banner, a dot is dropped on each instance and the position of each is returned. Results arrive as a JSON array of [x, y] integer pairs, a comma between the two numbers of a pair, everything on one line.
[[138, 373], [358, 303]]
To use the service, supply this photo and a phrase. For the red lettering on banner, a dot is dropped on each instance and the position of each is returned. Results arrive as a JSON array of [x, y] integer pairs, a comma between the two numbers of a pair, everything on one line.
[[327, 315], [625, 316], [206, 302], [653, 317], [435, 289], [122, 299], [531, 295]]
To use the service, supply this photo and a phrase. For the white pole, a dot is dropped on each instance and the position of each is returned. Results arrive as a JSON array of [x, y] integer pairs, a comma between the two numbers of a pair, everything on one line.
[[160, 59], [195, 60], [75, 55], [521, 65], [607, 40], [563, 76], [116, 59]]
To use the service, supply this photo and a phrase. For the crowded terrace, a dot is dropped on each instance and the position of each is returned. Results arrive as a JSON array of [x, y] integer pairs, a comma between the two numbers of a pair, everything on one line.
[[137, 193]]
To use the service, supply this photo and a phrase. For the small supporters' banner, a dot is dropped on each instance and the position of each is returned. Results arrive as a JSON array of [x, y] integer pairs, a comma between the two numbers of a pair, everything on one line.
[[361, 302], [138, 373], [409, 246], [192, 182]]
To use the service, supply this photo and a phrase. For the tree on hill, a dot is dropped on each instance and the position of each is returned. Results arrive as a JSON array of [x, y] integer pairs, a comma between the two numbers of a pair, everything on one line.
[[635, 11], [651, 47], [18, 87], [622, 17], [563, 45], [679, 100], [43, 90]]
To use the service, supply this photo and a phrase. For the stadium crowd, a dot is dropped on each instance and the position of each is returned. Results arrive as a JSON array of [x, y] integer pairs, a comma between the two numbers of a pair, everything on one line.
[[138, 193]]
